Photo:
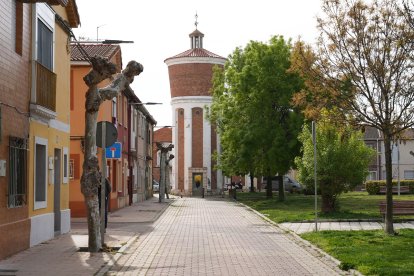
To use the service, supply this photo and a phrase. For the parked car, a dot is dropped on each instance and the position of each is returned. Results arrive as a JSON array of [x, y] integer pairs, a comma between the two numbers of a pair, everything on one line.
[[233, 185], [289, 183], [155, 186]]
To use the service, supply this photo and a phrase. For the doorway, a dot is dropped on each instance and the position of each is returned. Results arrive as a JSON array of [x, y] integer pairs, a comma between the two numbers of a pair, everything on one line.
[[198, 184], [57, 183]]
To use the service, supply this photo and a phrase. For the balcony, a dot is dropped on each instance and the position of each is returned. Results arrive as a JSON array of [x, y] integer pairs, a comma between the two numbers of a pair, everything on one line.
[[45, 92], [51, 2]]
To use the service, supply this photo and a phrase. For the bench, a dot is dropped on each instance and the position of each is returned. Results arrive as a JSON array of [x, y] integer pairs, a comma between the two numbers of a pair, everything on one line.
[[403, 190], [399, 207]]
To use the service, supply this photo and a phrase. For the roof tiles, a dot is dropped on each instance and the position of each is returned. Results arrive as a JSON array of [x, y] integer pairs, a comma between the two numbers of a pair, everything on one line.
[[103, 50], [196, 52]]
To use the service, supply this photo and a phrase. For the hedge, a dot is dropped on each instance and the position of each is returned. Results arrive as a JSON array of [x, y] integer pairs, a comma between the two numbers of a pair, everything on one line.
[[373, 186]]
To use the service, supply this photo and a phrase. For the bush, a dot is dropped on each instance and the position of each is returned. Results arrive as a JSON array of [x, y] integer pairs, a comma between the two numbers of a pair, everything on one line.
[[373, 186]]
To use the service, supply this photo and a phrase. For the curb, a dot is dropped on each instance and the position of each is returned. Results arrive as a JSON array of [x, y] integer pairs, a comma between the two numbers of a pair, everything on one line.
[[105, 268], [296, 238]]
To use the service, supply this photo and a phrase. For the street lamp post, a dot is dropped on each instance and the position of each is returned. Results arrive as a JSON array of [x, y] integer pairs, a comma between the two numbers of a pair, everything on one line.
[[315, 164]]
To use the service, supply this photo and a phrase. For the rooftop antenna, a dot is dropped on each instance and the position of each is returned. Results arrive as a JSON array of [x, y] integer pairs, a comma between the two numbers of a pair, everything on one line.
[[196, 22], [97, 31]]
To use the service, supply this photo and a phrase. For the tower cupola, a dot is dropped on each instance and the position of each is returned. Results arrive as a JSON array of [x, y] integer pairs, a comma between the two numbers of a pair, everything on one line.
[[196, 37]]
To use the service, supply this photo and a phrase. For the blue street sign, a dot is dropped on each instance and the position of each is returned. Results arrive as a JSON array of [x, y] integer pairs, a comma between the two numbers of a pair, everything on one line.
[[114, 151]]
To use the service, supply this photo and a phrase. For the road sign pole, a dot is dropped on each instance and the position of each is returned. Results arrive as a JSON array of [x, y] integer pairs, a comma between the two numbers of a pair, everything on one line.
[[103, 186]]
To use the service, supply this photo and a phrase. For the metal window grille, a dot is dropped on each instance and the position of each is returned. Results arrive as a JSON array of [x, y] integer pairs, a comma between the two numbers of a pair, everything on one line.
[[17, 172]]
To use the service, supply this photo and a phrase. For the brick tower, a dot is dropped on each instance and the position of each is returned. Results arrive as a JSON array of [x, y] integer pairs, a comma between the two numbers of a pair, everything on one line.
[[193, 137]]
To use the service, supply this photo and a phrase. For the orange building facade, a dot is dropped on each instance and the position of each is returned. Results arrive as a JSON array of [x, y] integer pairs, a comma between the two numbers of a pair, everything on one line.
[[131, 174], [107, 112]]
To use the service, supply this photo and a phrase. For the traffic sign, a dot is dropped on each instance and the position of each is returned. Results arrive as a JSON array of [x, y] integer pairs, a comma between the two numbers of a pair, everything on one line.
[[111, 133], [114, 151]]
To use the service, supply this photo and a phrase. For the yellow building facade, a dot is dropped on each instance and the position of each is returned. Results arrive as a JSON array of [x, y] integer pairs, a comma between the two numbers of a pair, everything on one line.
[[49, 134]]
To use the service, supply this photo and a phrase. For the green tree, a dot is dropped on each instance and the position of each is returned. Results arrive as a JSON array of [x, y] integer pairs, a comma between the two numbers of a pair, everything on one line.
[[252, 108], [342, 160]]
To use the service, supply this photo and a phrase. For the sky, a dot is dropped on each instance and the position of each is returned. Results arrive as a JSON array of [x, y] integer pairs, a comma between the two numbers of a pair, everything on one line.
[[160, 30]]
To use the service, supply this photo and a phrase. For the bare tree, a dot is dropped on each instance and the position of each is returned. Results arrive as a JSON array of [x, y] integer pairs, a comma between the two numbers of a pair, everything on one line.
[[90, 181], [164, 169], [365, 52]]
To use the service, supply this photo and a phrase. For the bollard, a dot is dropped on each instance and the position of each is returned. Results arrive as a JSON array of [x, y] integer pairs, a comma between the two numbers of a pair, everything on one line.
[[202, 192]]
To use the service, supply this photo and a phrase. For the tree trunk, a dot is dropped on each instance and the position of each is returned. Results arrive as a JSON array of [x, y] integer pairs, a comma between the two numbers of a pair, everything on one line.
[[167, 178], [161, 194], [90, 180], [91, 177], [389, 224], [328, 203], [251, 182], [269, 193], [281, 188]]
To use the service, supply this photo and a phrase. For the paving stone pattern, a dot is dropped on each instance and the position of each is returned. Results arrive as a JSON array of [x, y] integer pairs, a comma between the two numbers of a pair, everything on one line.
[[303, 227], [217, 237]]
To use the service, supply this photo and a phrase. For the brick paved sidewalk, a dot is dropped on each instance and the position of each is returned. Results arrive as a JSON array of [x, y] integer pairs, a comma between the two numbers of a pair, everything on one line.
[[218, 237], [303, 227], [60, 256]]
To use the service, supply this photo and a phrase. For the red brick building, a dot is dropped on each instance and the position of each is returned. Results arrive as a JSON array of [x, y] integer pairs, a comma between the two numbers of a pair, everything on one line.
[[193, 137], [34, 81], [14, 125]]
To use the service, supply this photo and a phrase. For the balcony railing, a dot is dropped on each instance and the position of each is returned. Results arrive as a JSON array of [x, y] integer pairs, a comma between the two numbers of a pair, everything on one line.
[[45, 87]]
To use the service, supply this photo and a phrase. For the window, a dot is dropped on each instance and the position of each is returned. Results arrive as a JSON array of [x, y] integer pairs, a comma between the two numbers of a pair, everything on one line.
[[114, 112], [125, 108], [18, 172], [43, 24], [139, 123], [71, 168], [40, 160], [44, 45], [65, 165], [17, 25], [158, 158], [142, 127], [395, 152], [72, 91], [119, 110], [134, 119], [408, 174], [372, 175]]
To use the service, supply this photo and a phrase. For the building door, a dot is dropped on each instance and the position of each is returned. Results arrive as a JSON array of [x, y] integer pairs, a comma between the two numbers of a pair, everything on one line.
[[197, 184], [57, 177]]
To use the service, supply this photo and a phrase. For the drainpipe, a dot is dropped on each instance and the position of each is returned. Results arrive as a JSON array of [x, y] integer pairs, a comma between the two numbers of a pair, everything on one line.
[[130, 160]]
